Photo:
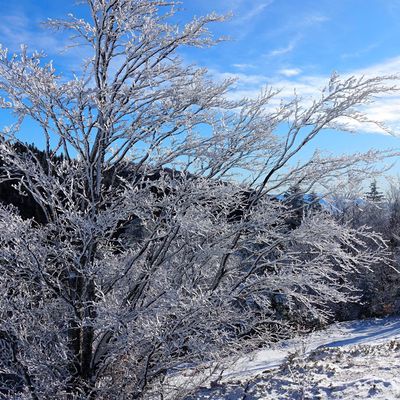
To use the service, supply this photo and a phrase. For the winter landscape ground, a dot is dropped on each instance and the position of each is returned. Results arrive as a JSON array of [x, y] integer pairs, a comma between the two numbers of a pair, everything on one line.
[[350, 360]]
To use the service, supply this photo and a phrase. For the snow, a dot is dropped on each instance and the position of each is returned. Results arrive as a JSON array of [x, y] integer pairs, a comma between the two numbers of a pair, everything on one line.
[[351, 360], [337, 335]]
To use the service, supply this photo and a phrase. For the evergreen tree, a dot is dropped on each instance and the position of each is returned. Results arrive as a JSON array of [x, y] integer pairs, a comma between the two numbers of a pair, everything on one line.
[[374, 195], [294, 198], [313, 203]]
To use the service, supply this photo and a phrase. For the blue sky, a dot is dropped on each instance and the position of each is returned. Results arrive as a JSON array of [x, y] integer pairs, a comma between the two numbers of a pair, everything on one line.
[[284, 43]]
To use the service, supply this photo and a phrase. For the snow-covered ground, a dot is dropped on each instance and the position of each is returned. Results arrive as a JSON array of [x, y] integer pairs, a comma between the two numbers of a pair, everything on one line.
[[348, 361]]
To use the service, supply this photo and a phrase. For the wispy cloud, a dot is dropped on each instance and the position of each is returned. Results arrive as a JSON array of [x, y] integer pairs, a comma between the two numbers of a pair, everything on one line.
[[18, 29], [245, 13], [360, 52], [243, 66], [245, 16], [280, 51], [303, 23], [291, 81], [314, 19], [290, 72]]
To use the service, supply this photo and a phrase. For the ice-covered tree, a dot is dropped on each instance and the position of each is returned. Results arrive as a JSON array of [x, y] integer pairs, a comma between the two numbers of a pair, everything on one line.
[[161, 246]]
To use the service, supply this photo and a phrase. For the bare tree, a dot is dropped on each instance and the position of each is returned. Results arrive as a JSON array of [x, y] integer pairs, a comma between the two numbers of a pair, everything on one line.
[[92, 311]]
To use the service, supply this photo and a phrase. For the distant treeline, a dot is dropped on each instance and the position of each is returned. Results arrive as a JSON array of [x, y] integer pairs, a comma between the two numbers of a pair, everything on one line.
[[9, 193]]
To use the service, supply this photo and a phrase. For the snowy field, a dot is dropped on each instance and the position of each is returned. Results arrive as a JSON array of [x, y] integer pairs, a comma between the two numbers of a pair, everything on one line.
[[352, 360]]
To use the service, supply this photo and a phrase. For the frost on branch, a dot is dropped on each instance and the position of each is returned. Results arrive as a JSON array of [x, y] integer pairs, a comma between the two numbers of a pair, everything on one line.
[[154, 253]]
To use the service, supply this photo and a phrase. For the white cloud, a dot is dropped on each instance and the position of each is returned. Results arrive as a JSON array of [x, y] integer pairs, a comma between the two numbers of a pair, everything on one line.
[[253, 12], [388, 67], [360, 52], [314, 19], [282, 50], [18, 29], [243, 66], [291, 81], [243, 80], [245, 14], [298, 22], [290, 72]]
